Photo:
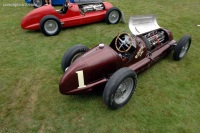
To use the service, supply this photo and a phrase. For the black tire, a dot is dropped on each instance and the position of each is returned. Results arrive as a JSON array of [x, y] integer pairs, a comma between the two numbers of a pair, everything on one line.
[[182, 47], [116, 84], [38, 3], [72, 54], [50, 25], [147, 43], [113, 15]]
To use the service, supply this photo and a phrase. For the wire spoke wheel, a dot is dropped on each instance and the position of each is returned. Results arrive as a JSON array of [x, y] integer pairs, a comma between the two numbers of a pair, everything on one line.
[[51, 26], [123, 91], [114, 16], [184, 49], [119, 88]]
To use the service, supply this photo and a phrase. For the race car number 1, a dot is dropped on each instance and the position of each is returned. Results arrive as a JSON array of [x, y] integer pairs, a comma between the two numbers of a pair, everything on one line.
[[80, 79]]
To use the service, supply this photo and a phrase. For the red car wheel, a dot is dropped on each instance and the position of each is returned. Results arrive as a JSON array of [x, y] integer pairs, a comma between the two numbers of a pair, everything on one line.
[[50, 25], [113, 15]]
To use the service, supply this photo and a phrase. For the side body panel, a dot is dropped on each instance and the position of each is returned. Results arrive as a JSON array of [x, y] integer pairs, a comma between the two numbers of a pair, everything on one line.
[[140, 60], [73, 17], [152, 58], [148, 58]]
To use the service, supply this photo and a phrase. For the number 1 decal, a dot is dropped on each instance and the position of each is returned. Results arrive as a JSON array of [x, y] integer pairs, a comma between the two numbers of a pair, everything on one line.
[[80, 79]]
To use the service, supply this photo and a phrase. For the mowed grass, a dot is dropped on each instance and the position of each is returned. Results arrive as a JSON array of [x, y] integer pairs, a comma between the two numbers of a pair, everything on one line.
[[167, 98]]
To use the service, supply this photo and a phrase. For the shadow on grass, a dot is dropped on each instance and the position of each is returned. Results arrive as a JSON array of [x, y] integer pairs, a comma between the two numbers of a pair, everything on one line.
[[95, 94], [33, 32]]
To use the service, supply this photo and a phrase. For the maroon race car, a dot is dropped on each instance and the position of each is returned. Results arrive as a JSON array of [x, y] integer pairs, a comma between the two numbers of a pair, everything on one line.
[[116, 66], [50, 21]]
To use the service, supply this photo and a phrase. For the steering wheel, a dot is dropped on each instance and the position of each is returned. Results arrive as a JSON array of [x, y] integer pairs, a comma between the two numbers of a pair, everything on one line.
[[123, 42]]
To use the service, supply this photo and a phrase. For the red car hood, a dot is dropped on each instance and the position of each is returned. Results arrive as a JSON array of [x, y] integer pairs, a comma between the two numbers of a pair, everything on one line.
[[32, 19]]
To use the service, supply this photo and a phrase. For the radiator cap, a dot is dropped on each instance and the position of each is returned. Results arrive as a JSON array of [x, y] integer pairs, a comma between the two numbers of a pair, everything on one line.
[[101, 46]]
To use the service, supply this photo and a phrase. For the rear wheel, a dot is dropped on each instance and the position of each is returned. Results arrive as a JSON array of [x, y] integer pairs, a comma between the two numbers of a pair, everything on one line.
[[113, 15], [38, 3], [182, 47], [50, 25], [72, 54], [119, 88]]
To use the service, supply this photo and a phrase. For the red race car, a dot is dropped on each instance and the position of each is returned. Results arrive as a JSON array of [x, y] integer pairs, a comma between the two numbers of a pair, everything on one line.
[[50, 21], [116, 66]]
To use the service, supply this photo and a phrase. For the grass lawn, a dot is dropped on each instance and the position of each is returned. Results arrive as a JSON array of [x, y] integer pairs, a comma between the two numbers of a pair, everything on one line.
[[167, 98]]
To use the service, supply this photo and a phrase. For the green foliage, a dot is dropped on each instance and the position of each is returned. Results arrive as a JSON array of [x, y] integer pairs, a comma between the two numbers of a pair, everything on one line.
[[167, 98]]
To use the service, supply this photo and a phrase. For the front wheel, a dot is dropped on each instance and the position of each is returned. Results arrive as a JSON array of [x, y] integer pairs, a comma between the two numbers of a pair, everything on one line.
[[119, 88], [72, 54], [182, 47], [50, 25], [113, 15], [38, 3]]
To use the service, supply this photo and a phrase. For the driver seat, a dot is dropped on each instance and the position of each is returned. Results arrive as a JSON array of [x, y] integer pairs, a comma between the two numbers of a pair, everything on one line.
[[65, 7]]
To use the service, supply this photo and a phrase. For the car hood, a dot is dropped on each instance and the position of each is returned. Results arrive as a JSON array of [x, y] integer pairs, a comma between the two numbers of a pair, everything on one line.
[[96, 64], [32, 19], [141, 24]]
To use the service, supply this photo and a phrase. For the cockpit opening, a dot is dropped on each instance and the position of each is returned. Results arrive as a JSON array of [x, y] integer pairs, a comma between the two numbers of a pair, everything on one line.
[[125, 45]]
